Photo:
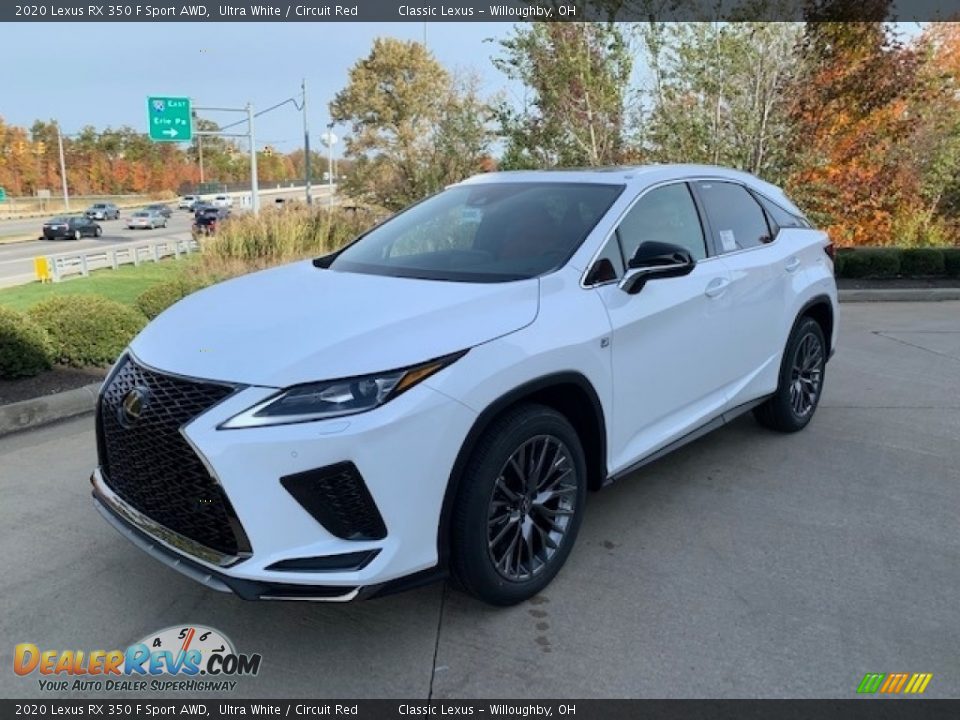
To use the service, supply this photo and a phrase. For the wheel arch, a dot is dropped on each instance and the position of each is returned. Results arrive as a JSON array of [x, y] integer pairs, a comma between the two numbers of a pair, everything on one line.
[[820, 309], [569, 393]]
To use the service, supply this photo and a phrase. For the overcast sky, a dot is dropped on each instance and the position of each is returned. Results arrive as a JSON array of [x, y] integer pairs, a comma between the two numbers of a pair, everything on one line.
[[100, 74]]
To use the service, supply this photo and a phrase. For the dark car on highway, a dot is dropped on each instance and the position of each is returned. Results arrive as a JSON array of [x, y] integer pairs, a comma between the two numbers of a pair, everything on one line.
[[74, 227], [200, 207], [160, 209], [209, 219]]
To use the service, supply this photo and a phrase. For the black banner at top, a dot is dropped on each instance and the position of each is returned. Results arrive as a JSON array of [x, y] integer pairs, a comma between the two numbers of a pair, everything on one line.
[[478, 10]]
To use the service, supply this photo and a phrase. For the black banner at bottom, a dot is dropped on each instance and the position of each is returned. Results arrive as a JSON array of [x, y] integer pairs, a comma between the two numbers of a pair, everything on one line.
[[854, 709]]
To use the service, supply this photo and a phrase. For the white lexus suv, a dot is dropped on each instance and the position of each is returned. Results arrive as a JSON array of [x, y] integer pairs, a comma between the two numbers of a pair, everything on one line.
[[438, 397]]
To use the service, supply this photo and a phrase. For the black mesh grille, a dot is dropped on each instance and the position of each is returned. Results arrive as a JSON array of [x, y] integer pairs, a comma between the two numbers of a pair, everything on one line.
[[151, 466], [339, 500]]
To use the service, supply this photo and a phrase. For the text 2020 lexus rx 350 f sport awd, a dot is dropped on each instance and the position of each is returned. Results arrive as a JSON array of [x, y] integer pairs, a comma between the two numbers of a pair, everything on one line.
[[439, 396]]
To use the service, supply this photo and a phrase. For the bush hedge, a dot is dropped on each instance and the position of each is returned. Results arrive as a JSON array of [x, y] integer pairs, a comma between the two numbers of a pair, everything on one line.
[[951, 261], [87, 329], [871, 262], [888, 262], [154, 300], [25, 347], [921, 261]]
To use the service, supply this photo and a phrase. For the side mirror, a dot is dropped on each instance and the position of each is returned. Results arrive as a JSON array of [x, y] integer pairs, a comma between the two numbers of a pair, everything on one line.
[[653, 261]]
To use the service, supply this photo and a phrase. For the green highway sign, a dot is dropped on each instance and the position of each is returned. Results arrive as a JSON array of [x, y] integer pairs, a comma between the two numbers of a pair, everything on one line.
[[169, 119], [3, 194]]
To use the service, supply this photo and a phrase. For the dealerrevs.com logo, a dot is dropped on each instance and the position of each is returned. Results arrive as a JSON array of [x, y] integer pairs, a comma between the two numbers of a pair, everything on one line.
[[187, 658]]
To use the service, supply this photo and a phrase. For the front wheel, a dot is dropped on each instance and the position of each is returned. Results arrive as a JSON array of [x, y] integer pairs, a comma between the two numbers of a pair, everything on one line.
[[798, 393], [76, 235], [98, 232], [519, 506]]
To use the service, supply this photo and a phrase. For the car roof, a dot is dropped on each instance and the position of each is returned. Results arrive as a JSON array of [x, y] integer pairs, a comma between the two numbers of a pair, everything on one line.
[[636, 178]]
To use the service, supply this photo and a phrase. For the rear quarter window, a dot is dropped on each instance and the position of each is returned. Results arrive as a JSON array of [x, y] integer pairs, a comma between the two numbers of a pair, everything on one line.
[[738, 221]]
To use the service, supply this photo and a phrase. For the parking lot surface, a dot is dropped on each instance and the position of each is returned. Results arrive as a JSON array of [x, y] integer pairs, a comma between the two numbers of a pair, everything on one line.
[[747, 564]]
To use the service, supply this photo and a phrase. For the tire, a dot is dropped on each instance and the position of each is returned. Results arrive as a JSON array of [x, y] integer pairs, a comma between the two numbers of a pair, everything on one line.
[[77, 235], [98, 232], [491, 521], [800, 387]]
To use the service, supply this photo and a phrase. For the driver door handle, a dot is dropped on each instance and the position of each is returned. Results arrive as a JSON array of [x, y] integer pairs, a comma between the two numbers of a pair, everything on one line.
[[717, 287], [792, 264]]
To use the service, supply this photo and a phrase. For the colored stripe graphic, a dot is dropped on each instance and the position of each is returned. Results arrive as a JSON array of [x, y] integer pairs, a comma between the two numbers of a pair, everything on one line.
[[918, 683], [894, 683], [871, 682]]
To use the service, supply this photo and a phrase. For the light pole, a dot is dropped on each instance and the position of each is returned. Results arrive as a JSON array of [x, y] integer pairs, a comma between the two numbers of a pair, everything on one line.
[[329, 139], [254, 187], [63, 170], [306, 142]]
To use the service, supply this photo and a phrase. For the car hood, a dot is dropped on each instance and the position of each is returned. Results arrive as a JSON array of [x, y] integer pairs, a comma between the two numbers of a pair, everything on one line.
[[297, 324]]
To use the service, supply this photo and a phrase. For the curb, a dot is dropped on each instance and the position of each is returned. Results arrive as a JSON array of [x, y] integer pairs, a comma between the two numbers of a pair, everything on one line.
[[50, 408], [899, 295]]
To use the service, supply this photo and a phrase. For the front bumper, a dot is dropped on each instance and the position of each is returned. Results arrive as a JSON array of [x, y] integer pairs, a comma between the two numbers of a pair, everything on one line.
[[404, 452]]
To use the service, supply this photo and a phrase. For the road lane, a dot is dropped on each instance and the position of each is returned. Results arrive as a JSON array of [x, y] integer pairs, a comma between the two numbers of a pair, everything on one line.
[[747, 564], [16, 259]]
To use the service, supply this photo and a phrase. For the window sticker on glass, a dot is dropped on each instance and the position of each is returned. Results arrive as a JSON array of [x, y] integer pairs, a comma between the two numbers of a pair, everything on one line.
[[728, 241]]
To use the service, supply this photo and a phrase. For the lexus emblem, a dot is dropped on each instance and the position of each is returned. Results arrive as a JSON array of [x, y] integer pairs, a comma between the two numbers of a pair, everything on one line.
[[133, 405]]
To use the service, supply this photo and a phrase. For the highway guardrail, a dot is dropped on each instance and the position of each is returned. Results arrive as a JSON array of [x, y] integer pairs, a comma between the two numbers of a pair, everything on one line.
[[61, 266]]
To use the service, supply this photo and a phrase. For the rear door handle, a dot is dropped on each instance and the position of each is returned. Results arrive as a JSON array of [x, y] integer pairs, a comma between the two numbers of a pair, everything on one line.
[[717, 287], [792, 264]]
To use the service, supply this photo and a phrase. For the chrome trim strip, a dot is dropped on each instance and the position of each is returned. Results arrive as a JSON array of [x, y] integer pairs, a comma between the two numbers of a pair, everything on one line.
[[335, 598], [206, 579], [165, 536]]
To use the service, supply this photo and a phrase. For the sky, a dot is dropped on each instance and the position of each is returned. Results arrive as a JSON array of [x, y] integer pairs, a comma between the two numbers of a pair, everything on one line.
[[103, 75]]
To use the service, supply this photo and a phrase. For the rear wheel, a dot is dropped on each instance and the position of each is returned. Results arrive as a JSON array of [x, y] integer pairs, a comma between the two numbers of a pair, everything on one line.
[[98, 231], [801, 380], [77, 235], [519, 506]]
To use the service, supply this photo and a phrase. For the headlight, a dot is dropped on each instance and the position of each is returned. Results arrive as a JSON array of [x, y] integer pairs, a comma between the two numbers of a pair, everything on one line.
[[322, 400]]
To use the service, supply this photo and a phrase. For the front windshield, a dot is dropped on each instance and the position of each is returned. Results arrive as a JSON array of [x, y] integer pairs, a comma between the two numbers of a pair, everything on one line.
[[483, 233]]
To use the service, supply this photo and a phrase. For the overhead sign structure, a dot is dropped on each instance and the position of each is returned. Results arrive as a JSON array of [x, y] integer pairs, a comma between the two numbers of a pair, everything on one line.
[[169, 119]]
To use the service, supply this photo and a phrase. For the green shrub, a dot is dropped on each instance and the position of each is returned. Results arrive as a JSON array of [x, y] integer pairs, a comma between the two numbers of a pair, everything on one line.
[[157, 298], [839, 260], [951, 261], [87, 329], [25, 347], [872, 263], [921, 261]]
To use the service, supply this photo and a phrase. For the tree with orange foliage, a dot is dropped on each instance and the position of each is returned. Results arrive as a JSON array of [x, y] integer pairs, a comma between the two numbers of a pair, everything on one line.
[[849, 112]]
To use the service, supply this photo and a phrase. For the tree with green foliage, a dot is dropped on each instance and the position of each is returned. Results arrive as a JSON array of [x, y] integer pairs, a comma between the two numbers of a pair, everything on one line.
[[717, 93], [413, 128], [577, 79]]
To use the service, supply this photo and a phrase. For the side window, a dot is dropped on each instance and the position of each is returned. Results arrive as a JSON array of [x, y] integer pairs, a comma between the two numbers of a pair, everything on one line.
[[737, 219], [780, 217], [665, 214]]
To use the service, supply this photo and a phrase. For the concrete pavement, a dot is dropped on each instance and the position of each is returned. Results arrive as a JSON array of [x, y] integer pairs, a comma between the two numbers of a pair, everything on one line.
[[747, 564]]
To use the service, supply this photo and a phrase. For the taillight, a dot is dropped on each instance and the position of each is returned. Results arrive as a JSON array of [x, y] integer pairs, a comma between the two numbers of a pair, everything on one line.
[[830, 250]]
